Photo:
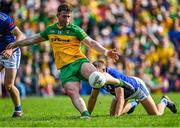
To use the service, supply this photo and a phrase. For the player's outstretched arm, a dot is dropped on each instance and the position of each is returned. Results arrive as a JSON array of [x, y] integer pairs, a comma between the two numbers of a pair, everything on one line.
[[19, 35], [92, 100], [28, 41], [111, 80], [114, 54]]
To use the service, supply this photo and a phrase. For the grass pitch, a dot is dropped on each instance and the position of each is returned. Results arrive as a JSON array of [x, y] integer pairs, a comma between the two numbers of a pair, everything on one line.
[[59, 112]]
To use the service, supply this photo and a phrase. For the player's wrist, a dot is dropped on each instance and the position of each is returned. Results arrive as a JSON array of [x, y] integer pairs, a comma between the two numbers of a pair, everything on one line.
[[121, 83]]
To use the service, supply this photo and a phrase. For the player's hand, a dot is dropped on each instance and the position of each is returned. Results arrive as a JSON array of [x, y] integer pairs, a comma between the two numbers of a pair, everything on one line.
[[7, 53], [114, 54], [11, 46]]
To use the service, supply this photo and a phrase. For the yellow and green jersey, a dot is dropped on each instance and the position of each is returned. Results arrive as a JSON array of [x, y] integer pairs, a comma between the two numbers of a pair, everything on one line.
[[65, 43]]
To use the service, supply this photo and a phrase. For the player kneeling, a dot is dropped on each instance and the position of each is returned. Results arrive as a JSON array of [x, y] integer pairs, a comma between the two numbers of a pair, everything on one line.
[[128, 88]]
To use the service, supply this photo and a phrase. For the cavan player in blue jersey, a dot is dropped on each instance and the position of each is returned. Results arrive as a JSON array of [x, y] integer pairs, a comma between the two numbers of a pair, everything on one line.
[[10, 58], [134, 88]]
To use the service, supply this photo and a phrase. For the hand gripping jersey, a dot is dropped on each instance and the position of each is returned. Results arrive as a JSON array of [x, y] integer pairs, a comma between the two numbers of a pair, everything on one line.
[[6, 26], [65, 43]]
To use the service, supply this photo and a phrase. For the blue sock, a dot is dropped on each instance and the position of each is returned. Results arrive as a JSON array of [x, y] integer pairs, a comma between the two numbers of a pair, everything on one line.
[[164, 100], [18, 108], [134, 104]]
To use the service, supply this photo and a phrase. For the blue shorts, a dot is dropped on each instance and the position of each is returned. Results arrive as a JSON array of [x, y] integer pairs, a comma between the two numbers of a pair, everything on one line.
[[12, 62]]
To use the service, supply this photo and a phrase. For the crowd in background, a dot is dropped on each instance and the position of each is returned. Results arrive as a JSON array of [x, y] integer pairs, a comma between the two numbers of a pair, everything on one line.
[[145, 32]]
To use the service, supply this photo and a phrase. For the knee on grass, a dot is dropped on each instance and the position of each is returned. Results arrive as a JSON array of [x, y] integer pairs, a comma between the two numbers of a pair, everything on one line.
[[155, 113]]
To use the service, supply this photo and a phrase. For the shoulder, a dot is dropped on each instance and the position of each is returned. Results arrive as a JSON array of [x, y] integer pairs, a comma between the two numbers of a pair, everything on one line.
[[6, 22], [54, 25], [50, 28], [5, 19], [3, 16]]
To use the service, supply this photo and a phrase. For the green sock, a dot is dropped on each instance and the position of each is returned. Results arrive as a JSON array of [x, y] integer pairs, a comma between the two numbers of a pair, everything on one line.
[[85, 113]]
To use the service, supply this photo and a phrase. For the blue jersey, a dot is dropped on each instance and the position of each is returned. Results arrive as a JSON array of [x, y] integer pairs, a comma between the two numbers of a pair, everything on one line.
[[126, 79], [6, 26]]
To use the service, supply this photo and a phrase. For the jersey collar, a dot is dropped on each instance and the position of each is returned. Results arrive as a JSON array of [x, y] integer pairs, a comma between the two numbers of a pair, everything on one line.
[[59, 26]]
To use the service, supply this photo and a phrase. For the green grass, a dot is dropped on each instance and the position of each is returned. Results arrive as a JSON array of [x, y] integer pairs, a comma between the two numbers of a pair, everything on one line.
[[59, 112]]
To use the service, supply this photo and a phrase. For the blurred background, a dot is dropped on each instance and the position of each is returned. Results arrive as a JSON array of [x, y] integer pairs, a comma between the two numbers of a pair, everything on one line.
[[145, 32]]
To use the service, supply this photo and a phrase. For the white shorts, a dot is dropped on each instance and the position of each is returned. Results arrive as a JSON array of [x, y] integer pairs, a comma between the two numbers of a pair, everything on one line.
[[12, 62], [141, 92]]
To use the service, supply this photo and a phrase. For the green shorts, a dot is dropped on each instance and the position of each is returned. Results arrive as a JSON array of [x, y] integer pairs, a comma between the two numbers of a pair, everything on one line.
[[72, 71]]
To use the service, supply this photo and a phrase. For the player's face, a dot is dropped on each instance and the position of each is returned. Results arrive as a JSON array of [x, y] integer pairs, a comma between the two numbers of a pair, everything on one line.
[[102, 69], [64, 18]]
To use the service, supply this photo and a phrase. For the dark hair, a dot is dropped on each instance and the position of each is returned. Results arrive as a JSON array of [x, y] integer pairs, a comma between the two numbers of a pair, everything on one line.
[[98, 63], [64, 7]]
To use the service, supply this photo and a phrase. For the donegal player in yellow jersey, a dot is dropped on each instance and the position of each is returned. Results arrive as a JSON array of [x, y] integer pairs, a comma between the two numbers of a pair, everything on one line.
[[65, 42], [65, 39]]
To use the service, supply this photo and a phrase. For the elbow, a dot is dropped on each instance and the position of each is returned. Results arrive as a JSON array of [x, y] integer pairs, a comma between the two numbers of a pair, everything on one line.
[[21, 37], [90, 45]]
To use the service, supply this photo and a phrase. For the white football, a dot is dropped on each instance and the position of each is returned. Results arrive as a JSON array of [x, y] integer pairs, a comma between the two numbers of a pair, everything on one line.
[[97, 80]]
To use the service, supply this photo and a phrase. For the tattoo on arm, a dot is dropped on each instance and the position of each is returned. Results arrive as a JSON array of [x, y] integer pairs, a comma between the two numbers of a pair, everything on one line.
[[95, 45]]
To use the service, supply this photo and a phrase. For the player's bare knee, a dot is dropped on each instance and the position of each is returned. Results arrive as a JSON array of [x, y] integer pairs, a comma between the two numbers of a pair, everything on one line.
[[9, 87], [97, 79], [71, 92], [156, 114]]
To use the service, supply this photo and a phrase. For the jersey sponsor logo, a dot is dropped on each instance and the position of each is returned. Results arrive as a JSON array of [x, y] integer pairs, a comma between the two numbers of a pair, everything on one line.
[[54, 39]]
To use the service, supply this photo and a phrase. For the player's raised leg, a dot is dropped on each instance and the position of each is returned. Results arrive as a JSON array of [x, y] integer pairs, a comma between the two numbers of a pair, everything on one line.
[[88, 70], [10, 75]]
